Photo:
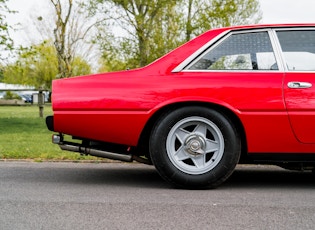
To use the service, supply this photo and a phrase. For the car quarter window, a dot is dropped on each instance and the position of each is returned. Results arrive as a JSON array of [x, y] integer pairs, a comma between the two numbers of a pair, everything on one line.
[[240, 51], [298, 47]]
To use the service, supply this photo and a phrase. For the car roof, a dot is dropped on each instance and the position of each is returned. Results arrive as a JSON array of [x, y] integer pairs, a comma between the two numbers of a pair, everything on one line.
[[258, 26], [168, 62]]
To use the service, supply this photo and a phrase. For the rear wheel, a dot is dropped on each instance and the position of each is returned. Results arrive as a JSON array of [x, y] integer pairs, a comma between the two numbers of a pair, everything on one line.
[[195, 147]]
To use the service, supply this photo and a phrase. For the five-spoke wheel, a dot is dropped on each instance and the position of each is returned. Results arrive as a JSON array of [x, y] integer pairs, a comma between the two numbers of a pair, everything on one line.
[[195, 147]]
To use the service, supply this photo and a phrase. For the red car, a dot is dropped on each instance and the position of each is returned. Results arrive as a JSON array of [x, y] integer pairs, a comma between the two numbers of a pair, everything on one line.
[[232, 95]]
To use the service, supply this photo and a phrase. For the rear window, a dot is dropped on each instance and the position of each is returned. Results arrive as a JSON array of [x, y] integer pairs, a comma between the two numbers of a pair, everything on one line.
[[246, 51]]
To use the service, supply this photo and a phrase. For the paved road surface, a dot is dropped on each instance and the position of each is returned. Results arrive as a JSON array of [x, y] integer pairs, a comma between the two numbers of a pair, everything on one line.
[[133, 196]]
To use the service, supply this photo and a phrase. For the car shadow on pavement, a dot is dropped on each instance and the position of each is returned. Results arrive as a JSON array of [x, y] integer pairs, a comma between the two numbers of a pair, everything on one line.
[[138, 175], [265, 176], [124, 177]]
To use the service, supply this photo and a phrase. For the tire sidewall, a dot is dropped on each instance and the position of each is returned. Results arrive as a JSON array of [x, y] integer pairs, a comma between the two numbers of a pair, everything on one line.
[[170, 172]]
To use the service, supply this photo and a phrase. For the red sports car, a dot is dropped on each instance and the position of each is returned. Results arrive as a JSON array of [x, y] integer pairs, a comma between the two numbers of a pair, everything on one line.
[[232, 95]]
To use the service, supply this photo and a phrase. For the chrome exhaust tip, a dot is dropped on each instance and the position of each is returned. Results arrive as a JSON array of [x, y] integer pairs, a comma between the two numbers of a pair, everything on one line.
[[57, 139]]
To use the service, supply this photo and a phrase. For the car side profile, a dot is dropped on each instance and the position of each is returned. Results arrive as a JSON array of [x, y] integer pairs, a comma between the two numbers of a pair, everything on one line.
[[243, 94]]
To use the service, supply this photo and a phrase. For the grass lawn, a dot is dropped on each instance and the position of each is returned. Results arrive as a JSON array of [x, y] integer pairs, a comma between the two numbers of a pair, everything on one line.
[[23, 135]]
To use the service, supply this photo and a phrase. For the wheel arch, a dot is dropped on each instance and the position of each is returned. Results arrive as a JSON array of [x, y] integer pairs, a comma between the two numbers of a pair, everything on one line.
[[143, 144]]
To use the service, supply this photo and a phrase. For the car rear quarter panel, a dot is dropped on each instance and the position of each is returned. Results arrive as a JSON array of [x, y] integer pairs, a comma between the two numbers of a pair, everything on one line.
[[115, 108]]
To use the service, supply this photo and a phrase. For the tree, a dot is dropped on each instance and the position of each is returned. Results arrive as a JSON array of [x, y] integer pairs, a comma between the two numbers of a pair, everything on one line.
[[35, 66], [6, 43], [1, 73], [203, 15], [80, 66], [135, 21], [146, 29], [38, 66], [167, 32], [70, 30], [223, 13], [63, 52]]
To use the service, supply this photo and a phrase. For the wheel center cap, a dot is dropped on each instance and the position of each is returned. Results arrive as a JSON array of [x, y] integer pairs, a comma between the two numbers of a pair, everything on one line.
[[194, 145]]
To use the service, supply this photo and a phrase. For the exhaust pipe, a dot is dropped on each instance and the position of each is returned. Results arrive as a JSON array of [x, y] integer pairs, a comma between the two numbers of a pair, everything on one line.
[[96, 152], [74, 147]]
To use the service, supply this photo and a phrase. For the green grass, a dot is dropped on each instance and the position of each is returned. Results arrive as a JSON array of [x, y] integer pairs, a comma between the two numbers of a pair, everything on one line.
[[23, 135]]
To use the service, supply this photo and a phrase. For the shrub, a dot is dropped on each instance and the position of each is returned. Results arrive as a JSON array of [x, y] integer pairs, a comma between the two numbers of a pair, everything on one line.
[[9, 95]]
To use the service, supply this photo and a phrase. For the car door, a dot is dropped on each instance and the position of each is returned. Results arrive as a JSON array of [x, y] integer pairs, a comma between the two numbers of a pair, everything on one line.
[[298, 53], [243, 71]]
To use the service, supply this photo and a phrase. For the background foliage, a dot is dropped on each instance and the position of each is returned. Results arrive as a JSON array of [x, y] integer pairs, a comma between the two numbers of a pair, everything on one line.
[[145, 30], [38, 66], [6, 43], [80, 37]]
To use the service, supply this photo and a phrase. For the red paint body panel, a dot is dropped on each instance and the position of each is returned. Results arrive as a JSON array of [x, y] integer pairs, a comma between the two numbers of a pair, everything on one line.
[[115, 107], [301, 106]]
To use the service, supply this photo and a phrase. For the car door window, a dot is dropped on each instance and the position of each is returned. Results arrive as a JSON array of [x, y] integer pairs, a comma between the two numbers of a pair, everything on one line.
[[298, 49], [246, 51]]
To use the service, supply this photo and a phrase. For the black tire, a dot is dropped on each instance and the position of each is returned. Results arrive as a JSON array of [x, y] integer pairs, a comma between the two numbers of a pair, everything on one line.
[[195, 147]]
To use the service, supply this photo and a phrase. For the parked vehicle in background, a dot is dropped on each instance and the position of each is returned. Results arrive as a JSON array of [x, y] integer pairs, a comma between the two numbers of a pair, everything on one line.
[[232, 95], [27, 98]]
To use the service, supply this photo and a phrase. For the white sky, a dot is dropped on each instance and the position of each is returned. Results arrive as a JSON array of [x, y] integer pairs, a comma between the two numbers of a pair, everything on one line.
[[288, 11], [274, 11]]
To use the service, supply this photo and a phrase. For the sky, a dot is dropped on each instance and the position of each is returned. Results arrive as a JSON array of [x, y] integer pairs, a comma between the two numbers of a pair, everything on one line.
[[274, 11], [288, 11]]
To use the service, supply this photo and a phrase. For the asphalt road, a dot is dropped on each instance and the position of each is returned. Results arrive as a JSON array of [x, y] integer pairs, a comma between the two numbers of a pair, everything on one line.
[[133, 196]]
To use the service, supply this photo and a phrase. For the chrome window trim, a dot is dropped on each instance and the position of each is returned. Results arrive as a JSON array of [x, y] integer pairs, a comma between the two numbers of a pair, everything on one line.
[[277, 50], [294, 28], [230, 71], [183, 67]]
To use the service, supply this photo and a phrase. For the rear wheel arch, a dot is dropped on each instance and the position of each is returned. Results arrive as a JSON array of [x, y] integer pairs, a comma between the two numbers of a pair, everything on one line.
[[195, 147], [143, 144]]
